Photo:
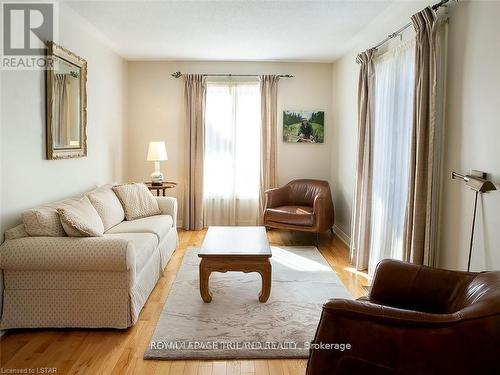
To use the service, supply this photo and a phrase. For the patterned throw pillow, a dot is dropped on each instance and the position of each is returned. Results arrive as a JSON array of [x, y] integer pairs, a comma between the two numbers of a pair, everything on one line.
[[107, 205], [80, 219], [137, 201], [19, 231], [44, 220]]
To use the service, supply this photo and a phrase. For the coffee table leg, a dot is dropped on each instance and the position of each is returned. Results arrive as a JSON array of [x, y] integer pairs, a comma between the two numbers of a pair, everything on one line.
[[265, 273], [204, 277]]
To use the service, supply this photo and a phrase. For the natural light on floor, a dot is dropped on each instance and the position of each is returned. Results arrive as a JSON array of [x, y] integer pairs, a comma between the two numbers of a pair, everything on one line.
[[296, 262], [355, 272]]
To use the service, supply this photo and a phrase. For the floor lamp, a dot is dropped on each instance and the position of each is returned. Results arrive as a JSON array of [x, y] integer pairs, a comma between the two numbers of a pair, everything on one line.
[[479, 185]]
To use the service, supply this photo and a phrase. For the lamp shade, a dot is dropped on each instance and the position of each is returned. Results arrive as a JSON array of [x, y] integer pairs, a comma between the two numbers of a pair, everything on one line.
[[475, 183], [157, 151], [479, 184]]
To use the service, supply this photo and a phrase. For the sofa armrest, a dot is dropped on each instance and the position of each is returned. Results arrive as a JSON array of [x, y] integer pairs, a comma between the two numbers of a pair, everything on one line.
[[168, 206], [416, 287], [67, 254]]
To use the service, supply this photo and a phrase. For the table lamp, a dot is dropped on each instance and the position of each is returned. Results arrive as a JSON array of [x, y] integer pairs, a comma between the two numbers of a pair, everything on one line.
[[157, 152]]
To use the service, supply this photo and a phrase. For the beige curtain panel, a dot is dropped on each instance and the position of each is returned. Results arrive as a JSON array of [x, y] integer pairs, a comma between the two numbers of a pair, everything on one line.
[[419, 245], [195, 97], [360, 238], [269, 134]]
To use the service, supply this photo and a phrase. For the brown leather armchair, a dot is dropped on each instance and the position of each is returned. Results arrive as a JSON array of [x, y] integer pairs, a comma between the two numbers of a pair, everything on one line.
[[303, 205], [416, 320]]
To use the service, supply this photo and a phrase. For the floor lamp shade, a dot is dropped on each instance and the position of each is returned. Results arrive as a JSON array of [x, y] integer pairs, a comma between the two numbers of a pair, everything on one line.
[[157, 152], [478, 185]]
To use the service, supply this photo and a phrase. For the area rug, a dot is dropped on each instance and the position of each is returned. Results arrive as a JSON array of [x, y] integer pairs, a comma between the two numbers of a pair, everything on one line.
[[235, 325]]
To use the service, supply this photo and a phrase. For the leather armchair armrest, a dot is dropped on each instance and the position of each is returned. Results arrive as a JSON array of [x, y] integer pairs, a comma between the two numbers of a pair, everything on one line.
[[276, 197], [318, 204], [386, 315], [323, 213], [415, 287], [411, 342]]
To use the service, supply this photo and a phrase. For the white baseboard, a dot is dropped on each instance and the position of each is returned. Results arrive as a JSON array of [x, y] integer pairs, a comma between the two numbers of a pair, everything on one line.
[[343, 236]]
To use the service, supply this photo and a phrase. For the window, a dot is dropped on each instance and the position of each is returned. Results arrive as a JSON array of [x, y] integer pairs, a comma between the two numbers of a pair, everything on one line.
[[392, 122], [232, 153]]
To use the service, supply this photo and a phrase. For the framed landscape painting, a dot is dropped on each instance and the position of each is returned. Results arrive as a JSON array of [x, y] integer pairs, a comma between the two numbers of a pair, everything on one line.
[[303, 126]]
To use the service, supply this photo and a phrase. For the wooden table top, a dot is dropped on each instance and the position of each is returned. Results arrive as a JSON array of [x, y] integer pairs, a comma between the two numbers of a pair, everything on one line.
[[164, 185], [235, 241]]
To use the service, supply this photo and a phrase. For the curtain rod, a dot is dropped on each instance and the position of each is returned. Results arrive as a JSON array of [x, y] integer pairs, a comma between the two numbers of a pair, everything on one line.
[[396, 33], [179, 74]]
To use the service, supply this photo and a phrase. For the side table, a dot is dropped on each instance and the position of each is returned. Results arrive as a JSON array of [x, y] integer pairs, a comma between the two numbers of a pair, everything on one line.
[[164, 186]]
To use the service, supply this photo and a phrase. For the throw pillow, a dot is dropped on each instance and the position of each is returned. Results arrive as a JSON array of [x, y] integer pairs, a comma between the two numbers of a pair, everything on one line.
[[107, 205], [18, 231], [44, 220], [137, 201], [80, 219]]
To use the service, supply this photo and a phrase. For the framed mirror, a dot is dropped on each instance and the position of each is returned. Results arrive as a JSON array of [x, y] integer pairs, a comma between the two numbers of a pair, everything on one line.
[[66, 104]]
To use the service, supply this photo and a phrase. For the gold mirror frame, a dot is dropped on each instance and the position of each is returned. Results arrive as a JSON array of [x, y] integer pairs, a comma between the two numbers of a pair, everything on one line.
[[78, 152]]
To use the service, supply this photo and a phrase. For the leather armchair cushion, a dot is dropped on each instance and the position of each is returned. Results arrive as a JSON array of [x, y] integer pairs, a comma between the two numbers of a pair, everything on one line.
[[295, 215]]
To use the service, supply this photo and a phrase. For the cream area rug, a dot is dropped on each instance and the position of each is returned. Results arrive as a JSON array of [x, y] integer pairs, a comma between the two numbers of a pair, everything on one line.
[[235, 325]]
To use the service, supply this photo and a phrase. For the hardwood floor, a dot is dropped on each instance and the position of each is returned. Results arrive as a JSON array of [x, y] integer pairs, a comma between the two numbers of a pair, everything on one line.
[[106, 351]]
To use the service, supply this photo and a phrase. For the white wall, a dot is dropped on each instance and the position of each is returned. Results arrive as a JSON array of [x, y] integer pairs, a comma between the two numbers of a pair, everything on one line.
[[156, 103], [27, 179], [344, 147], [472, 135], [471, 130]]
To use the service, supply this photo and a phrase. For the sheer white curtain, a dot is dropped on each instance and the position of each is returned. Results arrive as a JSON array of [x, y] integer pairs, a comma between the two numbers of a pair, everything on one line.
[[232, 154], [392, 121]]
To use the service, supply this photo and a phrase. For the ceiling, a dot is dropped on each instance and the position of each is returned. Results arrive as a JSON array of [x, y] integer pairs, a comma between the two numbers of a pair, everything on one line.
[[255, 30]]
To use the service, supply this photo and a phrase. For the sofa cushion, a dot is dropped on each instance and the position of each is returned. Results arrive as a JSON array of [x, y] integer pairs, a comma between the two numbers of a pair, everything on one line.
[[143, 246], [137, 201], [80, 219], [107, 205], [158, 225], [44, 220], [293, 215]]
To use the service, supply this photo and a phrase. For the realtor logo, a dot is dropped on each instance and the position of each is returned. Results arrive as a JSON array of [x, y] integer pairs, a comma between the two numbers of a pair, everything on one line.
[[26, 28]]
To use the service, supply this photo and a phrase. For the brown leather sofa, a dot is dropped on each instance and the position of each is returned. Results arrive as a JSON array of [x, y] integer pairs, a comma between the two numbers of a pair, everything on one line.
[[416, 320], [303, 205]]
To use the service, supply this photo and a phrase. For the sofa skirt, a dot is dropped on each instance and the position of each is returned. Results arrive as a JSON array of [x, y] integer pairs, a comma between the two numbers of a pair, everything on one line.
[[150, 274]]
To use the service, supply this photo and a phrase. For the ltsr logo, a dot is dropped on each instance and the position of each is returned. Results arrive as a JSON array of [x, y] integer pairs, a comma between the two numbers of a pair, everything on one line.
[[26, 28]]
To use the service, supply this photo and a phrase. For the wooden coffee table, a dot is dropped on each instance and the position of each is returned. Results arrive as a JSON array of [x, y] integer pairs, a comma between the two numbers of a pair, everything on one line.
[[241, 249]]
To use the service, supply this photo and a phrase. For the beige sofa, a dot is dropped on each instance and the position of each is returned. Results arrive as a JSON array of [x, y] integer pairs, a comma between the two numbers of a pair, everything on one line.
[[60, 281]]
